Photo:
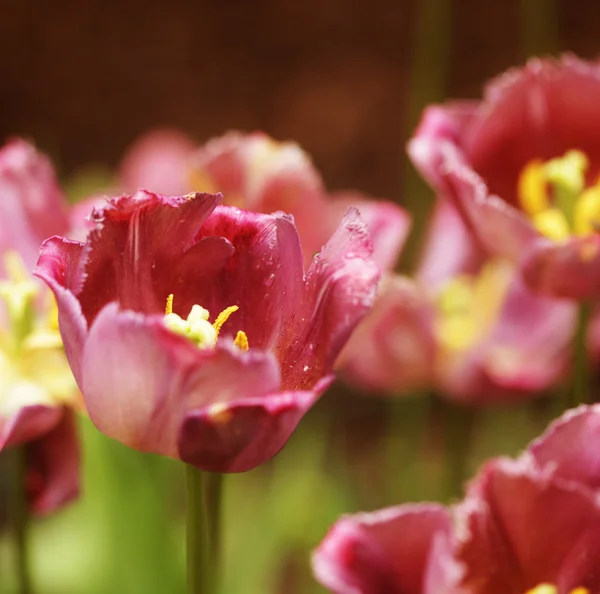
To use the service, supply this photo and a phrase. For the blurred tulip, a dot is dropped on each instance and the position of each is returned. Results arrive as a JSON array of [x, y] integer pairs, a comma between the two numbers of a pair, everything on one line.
[[530, 525], [256, 173], [464, 326], [522, 166], [175, 383], [37, 390]]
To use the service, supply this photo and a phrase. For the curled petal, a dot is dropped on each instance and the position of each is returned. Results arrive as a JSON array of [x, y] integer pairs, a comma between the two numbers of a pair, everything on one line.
[[385, 552], [340, 288], [570, 447], [240, 435], [60, 265], [388, 224]]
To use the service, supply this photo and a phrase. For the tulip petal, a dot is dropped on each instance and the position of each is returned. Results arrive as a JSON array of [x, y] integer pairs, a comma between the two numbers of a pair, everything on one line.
[[60, 265], [33, 206], [264, 277], [53, 467], [519, 528], [340, 288], [388, 224], [385, 552], [570, 447], [394, 348], [243, 434], [28, 423]]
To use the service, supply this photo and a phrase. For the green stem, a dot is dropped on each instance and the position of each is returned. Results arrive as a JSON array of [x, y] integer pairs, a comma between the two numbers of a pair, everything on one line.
[[20, 521], [538, 23], [581, 369], [214, 492], [199, 563], [459, 423]]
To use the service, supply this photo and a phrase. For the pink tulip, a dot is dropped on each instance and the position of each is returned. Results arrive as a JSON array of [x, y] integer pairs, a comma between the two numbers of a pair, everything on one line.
[[155, 373], [521, 167]]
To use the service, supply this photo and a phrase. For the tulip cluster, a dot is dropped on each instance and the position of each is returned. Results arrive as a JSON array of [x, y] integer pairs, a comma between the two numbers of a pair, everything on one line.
[[203, 309]]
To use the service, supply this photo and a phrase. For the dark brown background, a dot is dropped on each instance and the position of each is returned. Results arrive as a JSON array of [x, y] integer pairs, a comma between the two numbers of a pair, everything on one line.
[[345, 79]]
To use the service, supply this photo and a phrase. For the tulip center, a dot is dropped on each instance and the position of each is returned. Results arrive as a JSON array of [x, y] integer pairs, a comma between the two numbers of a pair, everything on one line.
[[555, 196], [198, 329], [468, 305], [551, 589], [33, 366]]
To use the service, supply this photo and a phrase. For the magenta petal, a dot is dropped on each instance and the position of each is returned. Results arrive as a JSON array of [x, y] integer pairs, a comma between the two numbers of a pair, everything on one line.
[[570, 447], [388, 224], [53, 467], [570, 269], [60, 266], [530, 344], [449, 249], [32, 206], [394, 347], [385, 552], [140, 380], [264, 277], [243, 434], [519, 528], [134, 245], [28, 423], [340, 288]]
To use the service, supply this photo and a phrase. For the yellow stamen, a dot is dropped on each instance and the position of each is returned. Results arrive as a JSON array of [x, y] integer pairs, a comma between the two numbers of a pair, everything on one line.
[[197, 328], [241, 341], [553, 224], [223, 317], [551, 589], [169, 306], [586, 216], [532, 188]]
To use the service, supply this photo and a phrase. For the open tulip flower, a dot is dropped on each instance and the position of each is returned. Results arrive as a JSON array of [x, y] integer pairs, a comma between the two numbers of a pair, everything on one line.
[[192, 329], [464, 326], [256, 173], [37, 390], [522, 167], [526, 526]]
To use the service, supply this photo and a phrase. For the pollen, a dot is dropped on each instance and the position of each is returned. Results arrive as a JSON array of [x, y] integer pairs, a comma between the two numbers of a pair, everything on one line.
[[557, 199], [197, 327]]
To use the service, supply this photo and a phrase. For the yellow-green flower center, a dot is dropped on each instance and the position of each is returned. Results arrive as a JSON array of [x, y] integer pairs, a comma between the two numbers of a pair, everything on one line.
[[551, 589], [33, 366], [198, 329], [468, 305], [555, 196]]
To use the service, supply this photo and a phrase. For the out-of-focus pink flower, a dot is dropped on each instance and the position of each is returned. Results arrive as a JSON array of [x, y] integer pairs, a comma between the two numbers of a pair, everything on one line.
[[37, 390], [522, 167], [530, 525], [155, 373], [256, 173], [158, 160], [466, 327]]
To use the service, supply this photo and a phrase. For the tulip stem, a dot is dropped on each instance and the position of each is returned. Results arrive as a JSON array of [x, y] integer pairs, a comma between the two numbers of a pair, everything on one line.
[[200, 575], [214, 494], [459, 424], [581, 370], [20, 520]]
